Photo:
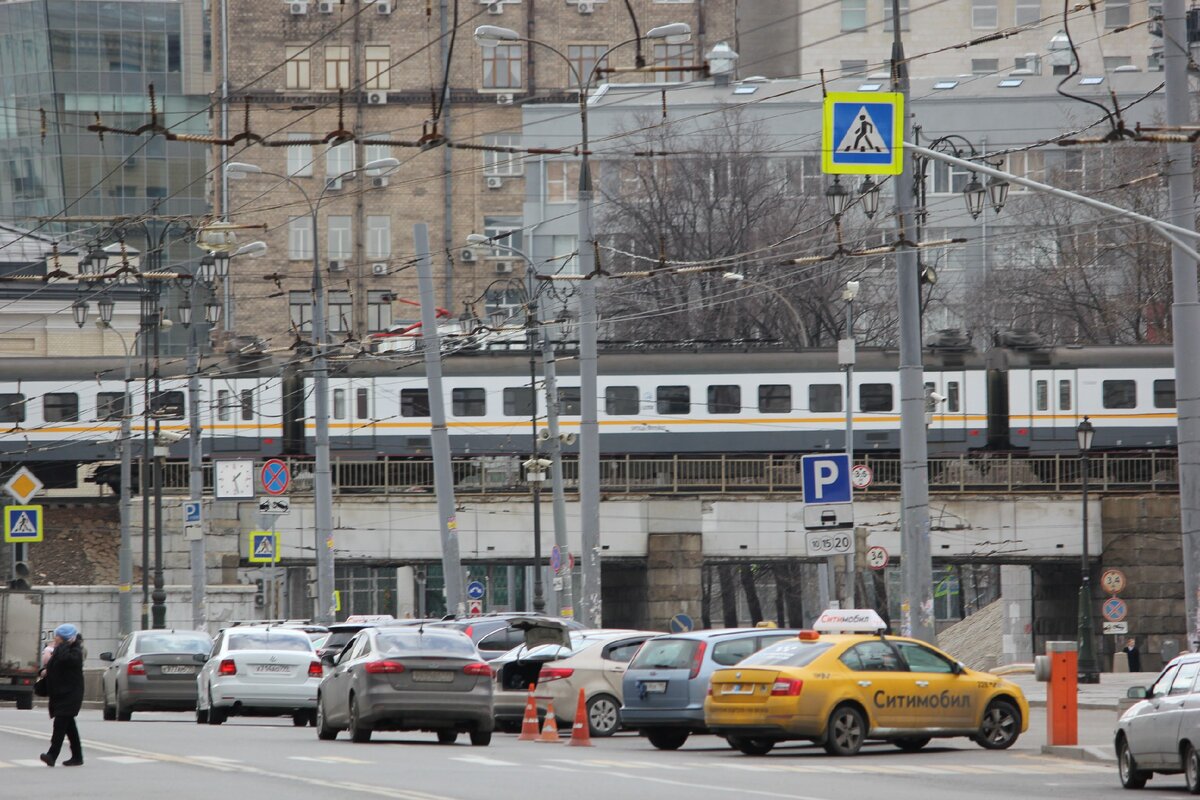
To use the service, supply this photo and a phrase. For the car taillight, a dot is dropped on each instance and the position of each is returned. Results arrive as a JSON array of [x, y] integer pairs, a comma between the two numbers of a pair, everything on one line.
[[697, 659], [787, 687], [315, 670], [478, 669], [135, 667], [468, 631], [384, 667], [548, 674], [227, 667]]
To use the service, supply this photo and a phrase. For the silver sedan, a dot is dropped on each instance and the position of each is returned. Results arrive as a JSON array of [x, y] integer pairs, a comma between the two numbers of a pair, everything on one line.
[[1158, 734], [259, 671], [152, 671]]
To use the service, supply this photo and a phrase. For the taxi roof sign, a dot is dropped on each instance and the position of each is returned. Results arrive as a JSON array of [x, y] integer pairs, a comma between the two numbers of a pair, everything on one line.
[[849, 620]]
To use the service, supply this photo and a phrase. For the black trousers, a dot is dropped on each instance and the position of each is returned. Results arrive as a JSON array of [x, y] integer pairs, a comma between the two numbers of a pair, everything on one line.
[[64, 727]]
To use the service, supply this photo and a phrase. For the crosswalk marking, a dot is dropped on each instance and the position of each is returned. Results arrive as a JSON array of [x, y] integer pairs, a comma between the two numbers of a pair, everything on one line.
[[484, 761], [126, 759], [28, 762], [330, 759]]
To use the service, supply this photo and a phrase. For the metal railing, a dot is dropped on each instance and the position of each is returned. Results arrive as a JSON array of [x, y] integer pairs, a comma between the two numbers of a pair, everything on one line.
[[775, 474]]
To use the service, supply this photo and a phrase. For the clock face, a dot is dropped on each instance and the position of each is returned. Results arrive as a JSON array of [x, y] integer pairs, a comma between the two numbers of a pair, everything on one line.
[[234, 479]]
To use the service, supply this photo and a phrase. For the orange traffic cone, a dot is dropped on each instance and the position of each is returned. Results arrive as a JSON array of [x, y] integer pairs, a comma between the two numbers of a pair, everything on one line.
[[550, 726], [581, 732], [529, 724]]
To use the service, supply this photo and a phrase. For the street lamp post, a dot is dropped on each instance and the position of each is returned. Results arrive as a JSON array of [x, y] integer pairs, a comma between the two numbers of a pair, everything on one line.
[[322, 477], [1089, 668]]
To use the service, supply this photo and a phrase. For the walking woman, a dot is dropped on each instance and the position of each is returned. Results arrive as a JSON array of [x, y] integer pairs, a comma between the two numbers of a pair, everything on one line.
[[64, 686]]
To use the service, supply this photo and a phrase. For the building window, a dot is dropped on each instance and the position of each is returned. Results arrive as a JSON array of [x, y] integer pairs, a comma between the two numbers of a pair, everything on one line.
[[674, 55], [1112, 62], [341, 311], [874, 397], [854, 15], [518, 402], [379, 237], [674, 399], [562, 181], [468, 402], [621, 401], [376, 152], [985, 66], [337, 66], [570, 402], [299, 67], [774, 398], [503, 164], [1119, 394], [725, 399], [495, 227], [1028, 12], [379, 310], [167, 405], [984, 14], [949, 178], [414, 402], [825, 398], [854, 67], [564, 258], [887, 15], [585, 58], [1116, 13], [502, 66], [340, 244], [379, 64], [339, 159], [300, 238], [299, 156], [300, 306], [111, 405], [60, 407]]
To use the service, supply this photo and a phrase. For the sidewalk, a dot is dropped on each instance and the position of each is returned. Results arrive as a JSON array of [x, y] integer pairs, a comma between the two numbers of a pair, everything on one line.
[[1107, 694]]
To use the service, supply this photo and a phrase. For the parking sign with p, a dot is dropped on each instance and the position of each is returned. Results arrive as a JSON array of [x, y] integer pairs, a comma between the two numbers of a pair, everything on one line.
[[826, 478]]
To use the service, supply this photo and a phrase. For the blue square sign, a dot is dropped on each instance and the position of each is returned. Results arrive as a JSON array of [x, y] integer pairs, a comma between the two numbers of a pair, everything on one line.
[[826, 478], [863, 133]]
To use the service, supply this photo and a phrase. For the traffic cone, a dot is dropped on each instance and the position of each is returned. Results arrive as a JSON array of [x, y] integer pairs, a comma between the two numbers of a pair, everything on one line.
[[550, 726], [529, 724], [581, 732]]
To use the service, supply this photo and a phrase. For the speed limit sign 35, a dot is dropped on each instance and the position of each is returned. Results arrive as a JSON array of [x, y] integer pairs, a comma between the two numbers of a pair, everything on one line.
[[877, 557], [861, 476]]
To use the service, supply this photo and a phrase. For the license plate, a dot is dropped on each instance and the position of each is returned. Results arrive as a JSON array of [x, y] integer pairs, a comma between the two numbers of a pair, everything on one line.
[[272, 668], [432, 676], [177, 670], [654, 687], [737, 688]]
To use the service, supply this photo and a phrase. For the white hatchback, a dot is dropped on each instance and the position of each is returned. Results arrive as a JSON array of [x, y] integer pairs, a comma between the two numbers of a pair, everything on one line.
[[259, 671]]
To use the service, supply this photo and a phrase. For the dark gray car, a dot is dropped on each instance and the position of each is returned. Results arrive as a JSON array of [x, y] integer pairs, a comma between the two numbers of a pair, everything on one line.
[[152, 671], [405, 679]]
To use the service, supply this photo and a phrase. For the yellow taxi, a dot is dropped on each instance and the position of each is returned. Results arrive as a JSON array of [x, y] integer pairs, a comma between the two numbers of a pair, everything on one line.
[[844, 683]]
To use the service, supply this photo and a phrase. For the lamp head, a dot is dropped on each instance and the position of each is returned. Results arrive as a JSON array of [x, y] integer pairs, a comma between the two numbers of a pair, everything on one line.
[[493, 35], [476, 238], [676, 32], [242, 168], [734, 276], [851, 291]]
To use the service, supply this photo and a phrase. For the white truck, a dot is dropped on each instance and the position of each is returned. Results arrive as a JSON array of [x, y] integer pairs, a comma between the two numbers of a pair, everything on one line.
[[20, 644]]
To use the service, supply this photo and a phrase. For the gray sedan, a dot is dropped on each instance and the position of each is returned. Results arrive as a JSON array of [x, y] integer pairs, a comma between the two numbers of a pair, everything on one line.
[[152, 671], [405, 679], [1159, 734]]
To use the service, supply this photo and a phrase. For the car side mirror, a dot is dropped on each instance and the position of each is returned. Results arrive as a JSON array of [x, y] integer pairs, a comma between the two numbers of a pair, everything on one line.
[[106, 656], [959, 668], [200, 658], [1137, 693]]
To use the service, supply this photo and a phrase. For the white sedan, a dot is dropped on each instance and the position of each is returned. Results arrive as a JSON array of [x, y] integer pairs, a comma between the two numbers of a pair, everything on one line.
[[259, 671]]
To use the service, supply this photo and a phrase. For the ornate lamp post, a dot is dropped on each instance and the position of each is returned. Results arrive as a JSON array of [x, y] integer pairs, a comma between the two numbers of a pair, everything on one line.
[[1089, 668]]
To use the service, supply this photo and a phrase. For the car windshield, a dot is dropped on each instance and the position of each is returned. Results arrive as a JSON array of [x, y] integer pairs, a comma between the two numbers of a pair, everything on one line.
[[666, 654], [425, 644], [173, 643], [790, 653], [269, 640]]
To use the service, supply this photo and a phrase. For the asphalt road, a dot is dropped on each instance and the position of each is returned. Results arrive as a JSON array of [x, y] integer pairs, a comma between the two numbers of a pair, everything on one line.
[[169, 756]]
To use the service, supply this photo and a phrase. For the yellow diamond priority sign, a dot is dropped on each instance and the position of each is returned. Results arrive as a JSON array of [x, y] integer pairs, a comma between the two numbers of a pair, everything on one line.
[[23, 485]]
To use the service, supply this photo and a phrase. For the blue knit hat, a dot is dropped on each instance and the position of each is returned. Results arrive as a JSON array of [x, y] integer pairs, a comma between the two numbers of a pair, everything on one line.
[[66, 631]]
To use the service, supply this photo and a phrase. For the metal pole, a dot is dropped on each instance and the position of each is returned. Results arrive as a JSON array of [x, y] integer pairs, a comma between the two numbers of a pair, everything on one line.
[[144, 464], [590, 612], [916, 606], [849, 357], [322, 478], [535, 484], [158, 607], [566, 598], [443, 477], [125, 552], [227, 281], [1088, 668], [196, 481], [1185, 310]]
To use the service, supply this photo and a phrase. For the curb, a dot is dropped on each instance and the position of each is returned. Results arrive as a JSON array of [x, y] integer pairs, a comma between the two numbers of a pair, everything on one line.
[[1090, 753], [1085, 706]]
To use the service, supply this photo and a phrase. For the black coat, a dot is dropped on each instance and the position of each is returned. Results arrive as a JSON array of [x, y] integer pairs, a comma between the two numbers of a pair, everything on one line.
[[64, 679]]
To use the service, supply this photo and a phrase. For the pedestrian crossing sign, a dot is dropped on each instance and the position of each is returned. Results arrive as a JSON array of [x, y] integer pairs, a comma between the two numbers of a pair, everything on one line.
[[863, 133], [22, 524], [264, 547]]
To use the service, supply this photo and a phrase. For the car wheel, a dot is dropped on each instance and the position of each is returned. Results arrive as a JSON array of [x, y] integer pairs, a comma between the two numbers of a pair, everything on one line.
[[604, 715], [110, 712], [201, 716], [481, 738], [750, 746], [123, 714], [668, 738], [911, 744], [1131, 776], [324, 732], [845, 731], [1191, 769], [447, 737], [1000, 727], [299, 719], [358, 732], [215, 715]]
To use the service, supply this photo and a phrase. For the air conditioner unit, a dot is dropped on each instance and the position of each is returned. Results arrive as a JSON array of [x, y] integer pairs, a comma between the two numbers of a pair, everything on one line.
[[503, 267], [379, 268], [376, 98], [325, 6], [383, 7], [379, 183], [504, 99], [333, 184], [494, 182], [298, 9], [337, 266], [586, 7], [467, 255], [496, 8]]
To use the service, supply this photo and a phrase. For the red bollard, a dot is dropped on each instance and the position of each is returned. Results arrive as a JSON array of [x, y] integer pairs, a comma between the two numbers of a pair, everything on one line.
[[1062, 694]]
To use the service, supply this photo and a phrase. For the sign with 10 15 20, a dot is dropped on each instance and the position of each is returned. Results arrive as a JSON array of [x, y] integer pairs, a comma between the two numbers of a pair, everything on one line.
[[829, 543]]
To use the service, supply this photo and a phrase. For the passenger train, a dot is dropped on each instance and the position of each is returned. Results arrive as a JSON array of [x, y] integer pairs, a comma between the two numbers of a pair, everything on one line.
[[650, 403]]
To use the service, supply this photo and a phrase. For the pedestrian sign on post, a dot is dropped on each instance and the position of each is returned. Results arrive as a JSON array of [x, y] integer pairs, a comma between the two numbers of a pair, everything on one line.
[[22, 524], [264, 547], [863, 133]]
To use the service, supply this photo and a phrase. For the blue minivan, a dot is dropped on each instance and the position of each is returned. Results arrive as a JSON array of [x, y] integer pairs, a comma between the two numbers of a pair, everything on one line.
[[666, 683]]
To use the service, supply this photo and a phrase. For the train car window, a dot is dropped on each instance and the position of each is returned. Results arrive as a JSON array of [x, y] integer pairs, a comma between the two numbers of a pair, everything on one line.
[[952, 396], [414, 402], [60, 407], [621, 401], [1064, 395], [725, 399], [110, 405], [875, 397], [518, 402], [339, 403], [1042, 392], [167, 405], [362, 404], [569, 401], [1119, 394], [223, 405], [12, 408], [469, 402], [247, 404], [775, 398], [674, 400], [824, 397], [1164, 393]]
